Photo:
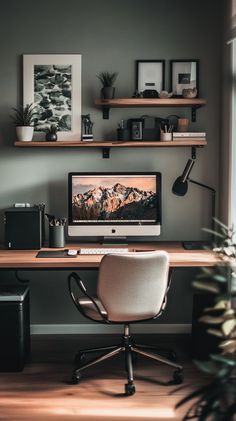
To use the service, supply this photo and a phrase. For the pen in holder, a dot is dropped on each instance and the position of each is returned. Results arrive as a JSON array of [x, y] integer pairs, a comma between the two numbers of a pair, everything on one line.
[[166, 133], [56, 231]]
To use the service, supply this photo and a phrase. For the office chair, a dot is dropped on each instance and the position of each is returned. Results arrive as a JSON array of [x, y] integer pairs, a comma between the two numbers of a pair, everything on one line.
[[131, 288]]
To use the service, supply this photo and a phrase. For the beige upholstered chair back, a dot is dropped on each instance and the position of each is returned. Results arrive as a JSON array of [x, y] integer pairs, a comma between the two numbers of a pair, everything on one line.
[[132, 286]]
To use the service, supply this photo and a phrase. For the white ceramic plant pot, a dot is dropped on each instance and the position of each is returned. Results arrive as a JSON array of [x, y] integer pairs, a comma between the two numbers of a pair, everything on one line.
[[25, 133]]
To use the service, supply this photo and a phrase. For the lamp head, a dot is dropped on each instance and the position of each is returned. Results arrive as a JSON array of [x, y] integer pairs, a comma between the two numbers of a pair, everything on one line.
[[180, 186]]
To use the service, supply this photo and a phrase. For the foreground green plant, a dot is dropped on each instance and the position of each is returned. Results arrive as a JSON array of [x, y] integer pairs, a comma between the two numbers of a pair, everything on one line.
[[217, 400]]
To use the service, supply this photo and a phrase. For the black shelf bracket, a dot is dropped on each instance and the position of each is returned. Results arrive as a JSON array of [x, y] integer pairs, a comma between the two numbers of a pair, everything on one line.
[[194, 113], [194, 152], [106, 153], [105, 112]]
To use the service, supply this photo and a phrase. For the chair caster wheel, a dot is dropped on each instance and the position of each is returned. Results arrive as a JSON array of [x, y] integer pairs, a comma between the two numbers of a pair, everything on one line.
[[76, 377], [178, 376], [129, 389], [79, 358]]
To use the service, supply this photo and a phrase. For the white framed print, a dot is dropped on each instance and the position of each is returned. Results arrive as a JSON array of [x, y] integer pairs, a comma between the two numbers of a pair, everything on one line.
[[53, 83], [150, 75]]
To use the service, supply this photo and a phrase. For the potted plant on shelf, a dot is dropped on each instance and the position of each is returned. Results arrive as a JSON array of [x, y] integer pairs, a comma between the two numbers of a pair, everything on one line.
[[51, 134], [25, 119], [107, 79]]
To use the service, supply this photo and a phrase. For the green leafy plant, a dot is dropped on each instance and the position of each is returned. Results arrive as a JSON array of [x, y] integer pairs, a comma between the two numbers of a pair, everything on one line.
[[107, 78], [25, 116], [217, 400]]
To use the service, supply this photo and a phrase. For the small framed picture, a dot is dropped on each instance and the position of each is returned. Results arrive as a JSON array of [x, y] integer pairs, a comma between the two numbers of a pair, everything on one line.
[[184, 74], [150, 75]]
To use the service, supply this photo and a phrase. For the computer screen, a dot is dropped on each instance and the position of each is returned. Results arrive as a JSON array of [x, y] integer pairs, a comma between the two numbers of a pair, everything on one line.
[[114, 204]]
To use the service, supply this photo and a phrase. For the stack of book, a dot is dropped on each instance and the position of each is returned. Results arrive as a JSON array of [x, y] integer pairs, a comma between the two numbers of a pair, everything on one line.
[[189, 136]]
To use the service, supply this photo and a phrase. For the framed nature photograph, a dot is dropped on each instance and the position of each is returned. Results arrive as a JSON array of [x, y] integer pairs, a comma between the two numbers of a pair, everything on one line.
[[150, 76], [53, 83], [184, 74]]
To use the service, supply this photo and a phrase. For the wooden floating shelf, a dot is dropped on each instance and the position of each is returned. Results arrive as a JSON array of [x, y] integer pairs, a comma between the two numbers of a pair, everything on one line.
[[150, 102], [111, 144], [106, 104], [107, 145]]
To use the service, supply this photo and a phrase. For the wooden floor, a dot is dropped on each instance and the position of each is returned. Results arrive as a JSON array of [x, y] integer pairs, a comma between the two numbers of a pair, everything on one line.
[[42, 392]]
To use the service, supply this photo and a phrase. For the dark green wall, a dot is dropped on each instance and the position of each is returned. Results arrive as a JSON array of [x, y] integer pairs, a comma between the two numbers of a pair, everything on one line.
[[110, 35]]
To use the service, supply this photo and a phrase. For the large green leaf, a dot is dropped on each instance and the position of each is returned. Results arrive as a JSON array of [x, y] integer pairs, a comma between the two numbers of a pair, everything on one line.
[[224, 360], [228, 326], [215, 332], [207, 286], [211, 320], [228, 346], [209, 367]]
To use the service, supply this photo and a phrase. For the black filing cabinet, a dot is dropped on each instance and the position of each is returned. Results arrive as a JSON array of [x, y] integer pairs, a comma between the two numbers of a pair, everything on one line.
[[14, 327]]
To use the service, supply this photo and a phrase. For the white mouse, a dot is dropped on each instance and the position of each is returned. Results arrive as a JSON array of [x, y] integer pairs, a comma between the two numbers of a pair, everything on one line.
[[72, 252]]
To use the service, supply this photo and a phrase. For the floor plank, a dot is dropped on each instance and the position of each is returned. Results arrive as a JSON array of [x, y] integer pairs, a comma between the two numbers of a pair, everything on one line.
[[43, 392]]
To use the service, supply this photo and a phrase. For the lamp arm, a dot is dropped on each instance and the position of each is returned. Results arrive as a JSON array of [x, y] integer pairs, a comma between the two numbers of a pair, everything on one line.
[[213, 204], [202, 185]]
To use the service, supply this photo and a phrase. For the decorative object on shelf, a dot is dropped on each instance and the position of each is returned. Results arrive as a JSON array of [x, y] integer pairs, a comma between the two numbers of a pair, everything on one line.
[[150, 93], [137, 94], [107, 79], [87, 128], [53, 82], [165, 94], [189, 93], [24, 119], [150, 75], [123, 132], [183, 124], [184, 75], [51, 134], [166, 132]]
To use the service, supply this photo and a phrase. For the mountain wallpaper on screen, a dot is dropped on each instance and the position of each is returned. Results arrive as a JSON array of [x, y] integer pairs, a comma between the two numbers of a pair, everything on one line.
[[116, 202]]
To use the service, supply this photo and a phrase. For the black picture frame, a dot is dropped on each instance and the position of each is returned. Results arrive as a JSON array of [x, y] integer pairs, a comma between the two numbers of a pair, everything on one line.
[[146, 78], [182, 79]]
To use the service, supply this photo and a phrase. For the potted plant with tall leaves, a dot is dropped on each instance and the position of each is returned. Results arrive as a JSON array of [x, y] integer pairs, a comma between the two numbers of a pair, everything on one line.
[[25, 119], [107, 79], [216, 401]]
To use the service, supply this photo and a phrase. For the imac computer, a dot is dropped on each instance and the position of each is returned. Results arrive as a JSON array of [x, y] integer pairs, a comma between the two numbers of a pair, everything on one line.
[[114, 205]]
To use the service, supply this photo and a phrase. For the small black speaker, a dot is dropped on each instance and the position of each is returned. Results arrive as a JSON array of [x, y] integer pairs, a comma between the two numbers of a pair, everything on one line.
[[136, 130], [24, 228]]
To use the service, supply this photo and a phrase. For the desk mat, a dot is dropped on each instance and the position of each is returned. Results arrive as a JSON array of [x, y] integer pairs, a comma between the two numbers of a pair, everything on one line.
[[54, 253]]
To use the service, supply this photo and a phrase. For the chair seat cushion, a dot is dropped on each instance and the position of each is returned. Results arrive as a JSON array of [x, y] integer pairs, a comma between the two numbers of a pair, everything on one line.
[[90, 310]]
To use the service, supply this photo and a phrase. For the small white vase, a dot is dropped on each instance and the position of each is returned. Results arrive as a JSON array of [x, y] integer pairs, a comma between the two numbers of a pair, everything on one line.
[[25, 133]]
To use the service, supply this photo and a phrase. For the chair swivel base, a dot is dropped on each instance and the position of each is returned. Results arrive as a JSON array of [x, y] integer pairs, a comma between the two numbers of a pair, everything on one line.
[[130, 350]]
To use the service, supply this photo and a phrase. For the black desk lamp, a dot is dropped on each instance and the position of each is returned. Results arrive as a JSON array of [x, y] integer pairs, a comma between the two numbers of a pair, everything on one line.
[[180, 188]]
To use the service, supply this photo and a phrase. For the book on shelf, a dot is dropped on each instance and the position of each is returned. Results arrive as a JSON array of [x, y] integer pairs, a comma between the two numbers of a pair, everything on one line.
[[180, 135]]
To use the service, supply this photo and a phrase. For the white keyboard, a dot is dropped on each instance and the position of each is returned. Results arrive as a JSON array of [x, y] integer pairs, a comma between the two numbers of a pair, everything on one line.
[[103, 250]]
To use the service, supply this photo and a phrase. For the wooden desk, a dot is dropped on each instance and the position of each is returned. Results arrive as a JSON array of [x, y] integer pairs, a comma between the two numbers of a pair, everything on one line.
[[26, 259]]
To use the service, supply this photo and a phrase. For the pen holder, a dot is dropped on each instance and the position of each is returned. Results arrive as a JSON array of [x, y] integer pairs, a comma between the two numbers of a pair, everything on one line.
[[57, 236], [123, 134], [166, 137]]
